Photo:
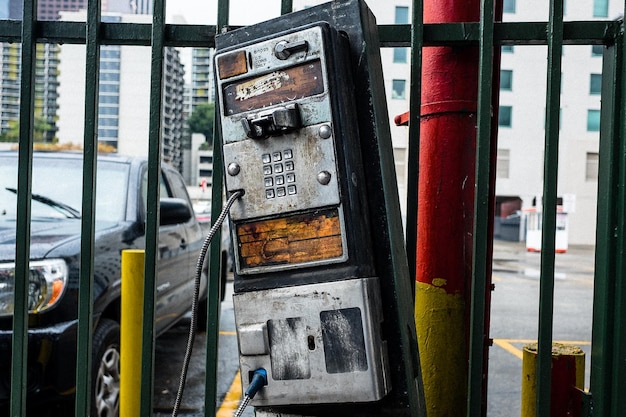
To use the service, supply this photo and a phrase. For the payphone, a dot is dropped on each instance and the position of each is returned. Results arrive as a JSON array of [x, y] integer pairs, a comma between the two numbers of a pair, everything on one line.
[[308, 304]]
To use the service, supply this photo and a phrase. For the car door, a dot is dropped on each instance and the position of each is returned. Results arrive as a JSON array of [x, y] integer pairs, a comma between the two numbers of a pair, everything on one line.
[[185, 259], [172, 264]]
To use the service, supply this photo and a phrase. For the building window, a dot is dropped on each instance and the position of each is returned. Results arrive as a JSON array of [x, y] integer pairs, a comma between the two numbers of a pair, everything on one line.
[[398, 89], [504, 116], [600, 8], [506, 80], [507, 49], [595, 84], [597, 50], [508, 6], [591, 166], [593, 120], [402, 15], [502, 165], [400, 55]]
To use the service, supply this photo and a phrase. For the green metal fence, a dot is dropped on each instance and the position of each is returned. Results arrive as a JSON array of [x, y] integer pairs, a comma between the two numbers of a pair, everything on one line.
[[608, 377]]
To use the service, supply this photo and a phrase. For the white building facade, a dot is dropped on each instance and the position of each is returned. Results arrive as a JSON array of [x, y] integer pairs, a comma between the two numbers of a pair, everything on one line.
[[124, 95], [522, 110]]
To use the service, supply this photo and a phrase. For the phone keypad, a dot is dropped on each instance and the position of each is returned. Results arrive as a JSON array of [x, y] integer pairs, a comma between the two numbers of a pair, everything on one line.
[[279, 177]]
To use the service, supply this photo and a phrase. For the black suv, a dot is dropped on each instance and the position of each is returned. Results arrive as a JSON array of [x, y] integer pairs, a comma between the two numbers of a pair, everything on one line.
[[54, 267]]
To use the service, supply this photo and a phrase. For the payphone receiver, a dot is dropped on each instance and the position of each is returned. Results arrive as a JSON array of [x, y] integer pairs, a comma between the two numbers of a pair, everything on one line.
[[307, 300]]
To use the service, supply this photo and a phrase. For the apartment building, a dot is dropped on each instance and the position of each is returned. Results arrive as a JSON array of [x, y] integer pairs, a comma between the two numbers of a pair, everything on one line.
[[124, 95]]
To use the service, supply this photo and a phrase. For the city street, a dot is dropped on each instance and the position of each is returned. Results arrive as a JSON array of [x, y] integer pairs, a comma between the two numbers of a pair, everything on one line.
[[514, 322]]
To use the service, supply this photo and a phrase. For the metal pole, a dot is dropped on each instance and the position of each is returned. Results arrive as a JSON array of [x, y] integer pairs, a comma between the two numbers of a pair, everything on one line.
[[446, 211], [130, 331]]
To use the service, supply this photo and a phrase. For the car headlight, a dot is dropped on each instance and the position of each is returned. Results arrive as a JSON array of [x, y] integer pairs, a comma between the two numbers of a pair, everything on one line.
[[47, 280]]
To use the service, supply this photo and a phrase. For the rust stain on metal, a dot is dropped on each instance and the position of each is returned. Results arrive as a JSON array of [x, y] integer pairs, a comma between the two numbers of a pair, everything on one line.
[[232, 64], [295, 239]]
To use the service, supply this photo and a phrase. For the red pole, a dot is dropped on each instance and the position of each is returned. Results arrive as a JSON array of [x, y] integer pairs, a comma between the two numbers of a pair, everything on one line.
[[445, 211]]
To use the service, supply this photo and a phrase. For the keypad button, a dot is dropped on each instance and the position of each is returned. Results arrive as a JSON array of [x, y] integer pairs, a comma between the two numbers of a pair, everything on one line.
[[266, 158], [280, 180], [267, 170], [291, 190], [269, 181], [277, 157], [278, 168], [289, 166], [269, 193], [288, 153], [291, 178], [280, 192]]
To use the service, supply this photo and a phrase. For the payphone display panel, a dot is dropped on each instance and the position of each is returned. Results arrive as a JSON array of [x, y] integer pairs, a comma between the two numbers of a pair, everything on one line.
[[280, 149]]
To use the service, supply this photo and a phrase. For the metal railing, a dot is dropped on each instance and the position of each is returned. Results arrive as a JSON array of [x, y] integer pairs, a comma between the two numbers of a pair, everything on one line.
[[608, 377]]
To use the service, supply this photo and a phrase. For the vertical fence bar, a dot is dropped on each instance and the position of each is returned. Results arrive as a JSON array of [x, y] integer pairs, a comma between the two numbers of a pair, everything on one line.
[[608, 344], [286, 6], [616, 335], [550, 174], [19, 362], [481, 256], [605, 274], [152, 215], [213, 297], [413, 146], [88, 216], [619, 378]]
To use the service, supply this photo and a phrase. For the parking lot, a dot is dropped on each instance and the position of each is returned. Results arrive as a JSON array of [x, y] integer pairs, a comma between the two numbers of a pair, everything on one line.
[[514, 318]]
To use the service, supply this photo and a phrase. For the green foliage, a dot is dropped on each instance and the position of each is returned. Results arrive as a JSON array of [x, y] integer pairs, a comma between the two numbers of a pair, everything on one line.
[[40, 127], [202, 120]]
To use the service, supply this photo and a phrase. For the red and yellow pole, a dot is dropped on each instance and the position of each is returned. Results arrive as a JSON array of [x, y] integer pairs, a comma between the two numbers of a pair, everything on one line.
[[568, 375], [446, 211]]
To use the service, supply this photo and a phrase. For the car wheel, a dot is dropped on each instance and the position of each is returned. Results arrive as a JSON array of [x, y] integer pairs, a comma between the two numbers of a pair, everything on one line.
[[106, 372]]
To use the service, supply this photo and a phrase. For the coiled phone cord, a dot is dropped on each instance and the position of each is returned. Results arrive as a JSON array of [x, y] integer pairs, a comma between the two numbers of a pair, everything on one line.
[[196, 294]]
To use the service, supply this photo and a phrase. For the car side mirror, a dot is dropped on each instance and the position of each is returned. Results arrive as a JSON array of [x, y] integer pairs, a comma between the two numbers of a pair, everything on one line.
[[174, 211]]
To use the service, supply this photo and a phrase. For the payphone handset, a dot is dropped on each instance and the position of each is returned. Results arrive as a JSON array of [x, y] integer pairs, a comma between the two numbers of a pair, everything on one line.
[[307, 301]]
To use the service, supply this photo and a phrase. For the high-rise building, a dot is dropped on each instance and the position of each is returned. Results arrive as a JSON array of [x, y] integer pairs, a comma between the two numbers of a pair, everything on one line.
[[10, 85], [11, 9], [50, 9], [45, 86], [124, 95], [129, 6], [45, 68], [202, 83]]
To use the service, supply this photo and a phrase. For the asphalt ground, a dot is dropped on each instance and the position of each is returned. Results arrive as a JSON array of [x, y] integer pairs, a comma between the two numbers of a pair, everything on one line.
[[515, 315], [514, 323]]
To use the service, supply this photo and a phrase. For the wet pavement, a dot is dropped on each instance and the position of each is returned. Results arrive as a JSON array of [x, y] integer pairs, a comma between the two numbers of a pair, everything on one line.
[[169, 355], [514, 322], [515, 314]]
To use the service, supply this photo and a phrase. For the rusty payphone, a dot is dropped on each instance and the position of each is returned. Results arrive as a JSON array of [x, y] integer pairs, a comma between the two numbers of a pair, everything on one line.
[[309, 308]]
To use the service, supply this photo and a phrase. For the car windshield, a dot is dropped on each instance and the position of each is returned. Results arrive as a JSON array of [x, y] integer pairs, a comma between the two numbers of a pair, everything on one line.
[[57, 188]]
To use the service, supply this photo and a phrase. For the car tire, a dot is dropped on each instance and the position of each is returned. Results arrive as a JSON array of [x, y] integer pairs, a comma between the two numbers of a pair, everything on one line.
[[106, 369]]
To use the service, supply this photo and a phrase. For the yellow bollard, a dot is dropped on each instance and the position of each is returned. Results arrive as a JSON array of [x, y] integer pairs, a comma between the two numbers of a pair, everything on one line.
[[130, 331], [568, 371]]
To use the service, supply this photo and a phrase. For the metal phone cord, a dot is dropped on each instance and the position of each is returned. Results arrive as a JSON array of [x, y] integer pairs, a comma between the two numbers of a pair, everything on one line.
[[194, 303]]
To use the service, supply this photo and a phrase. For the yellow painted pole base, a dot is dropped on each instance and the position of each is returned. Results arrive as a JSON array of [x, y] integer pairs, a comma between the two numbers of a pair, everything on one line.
[[131, 332], [442, 342], [568, 371]]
